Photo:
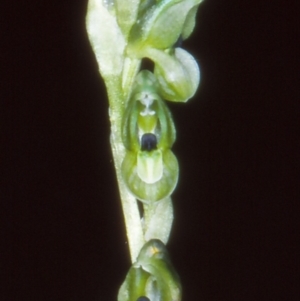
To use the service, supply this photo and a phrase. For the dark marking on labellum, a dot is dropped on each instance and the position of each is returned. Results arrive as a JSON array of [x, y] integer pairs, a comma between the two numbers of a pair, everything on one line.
[[143, 298], [148, 142]]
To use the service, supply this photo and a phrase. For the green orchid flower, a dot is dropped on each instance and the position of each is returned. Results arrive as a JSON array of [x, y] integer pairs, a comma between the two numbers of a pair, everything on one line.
[[177, 73], [150, 169], [152, 276], [154, 35]]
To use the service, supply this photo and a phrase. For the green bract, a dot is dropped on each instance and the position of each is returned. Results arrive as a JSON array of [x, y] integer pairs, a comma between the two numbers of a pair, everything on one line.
[[162, 23], [150, 169], [152, 276], [107, 41], [126, 13]]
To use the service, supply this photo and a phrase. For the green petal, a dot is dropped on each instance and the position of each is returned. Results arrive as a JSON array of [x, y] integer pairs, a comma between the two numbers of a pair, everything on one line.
[[177, 73]]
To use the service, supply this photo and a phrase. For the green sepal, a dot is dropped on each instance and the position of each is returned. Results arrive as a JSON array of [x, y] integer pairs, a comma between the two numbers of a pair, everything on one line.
[[150, 192], [152, 276], [161, 25], [134, 285]]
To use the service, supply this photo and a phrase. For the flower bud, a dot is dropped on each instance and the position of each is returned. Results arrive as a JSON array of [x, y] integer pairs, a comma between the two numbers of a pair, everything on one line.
[[152, 276]]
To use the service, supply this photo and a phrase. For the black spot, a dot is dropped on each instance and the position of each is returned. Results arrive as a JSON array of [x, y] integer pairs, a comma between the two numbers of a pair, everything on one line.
[[143, 298], [149, 142], [147, 64]]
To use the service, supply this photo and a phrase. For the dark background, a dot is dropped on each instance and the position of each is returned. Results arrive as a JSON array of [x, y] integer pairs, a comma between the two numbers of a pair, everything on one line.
[[235, 234]]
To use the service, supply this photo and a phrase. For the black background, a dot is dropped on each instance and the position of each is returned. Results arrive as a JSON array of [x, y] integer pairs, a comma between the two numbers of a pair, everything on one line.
[[234, 236]]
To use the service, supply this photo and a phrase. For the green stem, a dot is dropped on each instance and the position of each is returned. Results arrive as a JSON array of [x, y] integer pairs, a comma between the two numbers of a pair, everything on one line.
[[131, 213]]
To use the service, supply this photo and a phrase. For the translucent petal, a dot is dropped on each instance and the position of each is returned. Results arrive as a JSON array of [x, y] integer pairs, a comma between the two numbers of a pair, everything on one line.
[[177, 73]]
